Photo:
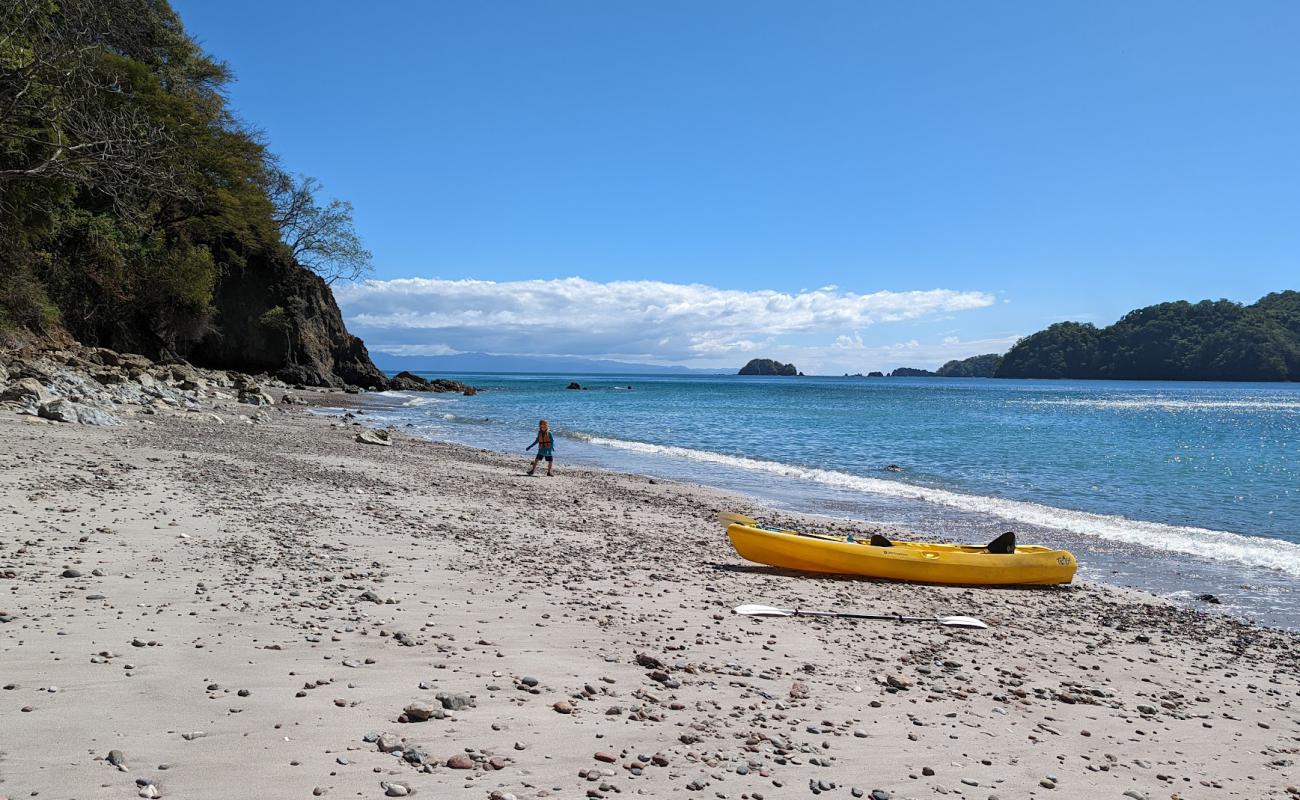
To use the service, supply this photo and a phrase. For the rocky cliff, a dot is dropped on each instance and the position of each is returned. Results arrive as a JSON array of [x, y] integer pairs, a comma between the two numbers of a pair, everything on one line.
[[305, 342]]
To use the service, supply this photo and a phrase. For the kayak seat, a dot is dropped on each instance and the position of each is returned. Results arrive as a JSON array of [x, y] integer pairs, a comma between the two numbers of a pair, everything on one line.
[[879, 541], [1004, 545]]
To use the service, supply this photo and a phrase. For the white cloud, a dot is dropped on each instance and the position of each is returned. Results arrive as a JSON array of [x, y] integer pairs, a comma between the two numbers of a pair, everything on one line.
[[648, 320]]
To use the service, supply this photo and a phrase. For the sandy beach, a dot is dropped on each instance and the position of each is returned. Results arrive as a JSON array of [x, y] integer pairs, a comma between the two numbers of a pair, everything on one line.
[[195, 607]]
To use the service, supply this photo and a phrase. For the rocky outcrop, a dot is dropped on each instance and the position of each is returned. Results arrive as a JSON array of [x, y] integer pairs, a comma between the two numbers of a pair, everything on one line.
[[97, 386], [277, 317], [766, 366], [410, 382]]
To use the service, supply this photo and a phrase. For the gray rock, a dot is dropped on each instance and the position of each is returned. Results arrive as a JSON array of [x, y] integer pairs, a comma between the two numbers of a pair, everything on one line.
[[63, 410], [28, 392], [395, 790], [422, 712], [117, 758], [454, 701], [372, 436], [899, 681], [254, 396], [71, 573]]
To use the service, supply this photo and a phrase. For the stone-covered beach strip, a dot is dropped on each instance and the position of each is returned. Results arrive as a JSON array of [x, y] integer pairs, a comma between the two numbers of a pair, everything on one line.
[[207, 591]]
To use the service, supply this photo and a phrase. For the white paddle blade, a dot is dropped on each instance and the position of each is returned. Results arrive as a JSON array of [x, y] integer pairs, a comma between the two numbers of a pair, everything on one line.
[[729, 518], [763, 611], [962, 622]]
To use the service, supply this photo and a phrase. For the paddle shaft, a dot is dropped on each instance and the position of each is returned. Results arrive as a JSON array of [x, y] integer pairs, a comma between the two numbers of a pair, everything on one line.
[[848, 615]]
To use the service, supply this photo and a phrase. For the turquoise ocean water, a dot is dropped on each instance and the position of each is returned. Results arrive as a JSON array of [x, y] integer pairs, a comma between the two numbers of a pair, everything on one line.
[[1178, 488]]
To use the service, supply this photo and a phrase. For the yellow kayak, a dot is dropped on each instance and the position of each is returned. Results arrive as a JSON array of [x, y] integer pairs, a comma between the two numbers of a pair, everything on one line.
[[917, 562]]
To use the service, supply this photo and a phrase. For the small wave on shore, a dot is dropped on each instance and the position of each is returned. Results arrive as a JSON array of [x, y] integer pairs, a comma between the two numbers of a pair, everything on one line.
[[1222, 546], [415, 399]]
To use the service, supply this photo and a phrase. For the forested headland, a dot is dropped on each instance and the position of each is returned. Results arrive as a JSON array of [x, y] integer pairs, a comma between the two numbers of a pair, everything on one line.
[[1213, 340], [137, 212]]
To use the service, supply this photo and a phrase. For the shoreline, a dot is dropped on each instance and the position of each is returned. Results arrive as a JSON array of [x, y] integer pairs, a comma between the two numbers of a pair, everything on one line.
[[1165, 560], [251, 556]]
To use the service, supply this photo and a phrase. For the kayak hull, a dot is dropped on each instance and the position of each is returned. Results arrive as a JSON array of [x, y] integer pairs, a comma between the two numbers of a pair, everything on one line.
[[914, 562]]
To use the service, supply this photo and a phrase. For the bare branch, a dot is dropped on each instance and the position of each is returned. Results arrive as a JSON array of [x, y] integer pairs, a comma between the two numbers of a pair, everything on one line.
[[321, 239]]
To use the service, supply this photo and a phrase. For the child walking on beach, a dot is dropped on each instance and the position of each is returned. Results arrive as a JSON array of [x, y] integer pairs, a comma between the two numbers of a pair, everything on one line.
[[545, 444]]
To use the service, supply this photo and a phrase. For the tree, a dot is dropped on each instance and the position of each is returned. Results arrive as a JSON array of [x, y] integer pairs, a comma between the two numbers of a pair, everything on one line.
[[322, 239], [74, 103], [280, 321]]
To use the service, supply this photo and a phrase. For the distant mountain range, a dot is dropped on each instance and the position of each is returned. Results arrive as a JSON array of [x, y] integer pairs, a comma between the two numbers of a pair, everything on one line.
[[556, 365]]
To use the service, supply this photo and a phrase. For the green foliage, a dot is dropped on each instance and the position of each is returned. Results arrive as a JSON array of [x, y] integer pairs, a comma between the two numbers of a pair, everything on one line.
[[277, 319], [127, 188], [1209, 340], [982, 366]]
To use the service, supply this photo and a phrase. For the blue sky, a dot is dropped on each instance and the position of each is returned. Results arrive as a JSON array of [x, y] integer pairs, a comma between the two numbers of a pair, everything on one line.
[[960, 173]]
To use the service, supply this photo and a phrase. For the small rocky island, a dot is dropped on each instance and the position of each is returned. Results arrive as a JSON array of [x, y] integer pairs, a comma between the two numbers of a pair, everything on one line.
[[766, 366]]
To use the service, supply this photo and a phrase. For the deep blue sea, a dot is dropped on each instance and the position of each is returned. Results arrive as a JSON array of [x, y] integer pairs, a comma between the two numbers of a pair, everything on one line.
[[1177, 488]]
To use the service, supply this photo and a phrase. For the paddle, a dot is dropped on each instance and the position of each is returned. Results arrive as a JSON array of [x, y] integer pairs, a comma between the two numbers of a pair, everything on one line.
[[768, 611], [729, 518]]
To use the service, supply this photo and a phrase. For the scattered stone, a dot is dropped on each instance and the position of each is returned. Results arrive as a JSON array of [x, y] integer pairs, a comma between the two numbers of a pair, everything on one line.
[[454, 701], [375, 436], [422, 712], [900, 682]]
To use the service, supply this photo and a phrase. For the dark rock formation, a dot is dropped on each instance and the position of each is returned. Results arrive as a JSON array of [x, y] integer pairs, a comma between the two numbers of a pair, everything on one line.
[[410, 382], [875, 374], [766, 366], [574, 385], [310, 346]]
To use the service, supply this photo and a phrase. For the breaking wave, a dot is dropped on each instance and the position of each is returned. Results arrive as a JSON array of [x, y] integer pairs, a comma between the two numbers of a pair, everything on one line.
[[1224, 546]]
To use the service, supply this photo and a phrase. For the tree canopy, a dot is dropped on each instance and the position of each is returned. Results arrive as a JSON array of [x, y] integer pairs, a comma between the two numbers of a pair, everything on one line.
[[1209, 340], [981, 366], [127, 186]]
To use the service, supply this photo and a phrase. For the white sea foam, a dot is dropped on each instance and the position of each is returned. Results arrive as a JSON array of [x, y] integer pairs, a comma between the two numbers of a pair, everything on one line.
[[1158, 403], [415, 399], [1254, 551]]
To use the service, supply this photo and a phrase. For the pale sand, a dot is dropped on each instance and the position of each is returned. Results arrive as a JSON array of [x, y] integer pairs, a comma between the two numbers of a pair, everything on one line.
[[241, 551]]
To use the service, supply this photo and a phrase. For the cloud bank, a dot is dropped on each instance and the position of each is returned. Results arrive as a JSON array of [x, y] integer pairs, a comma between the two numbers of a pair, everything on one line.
[[642, 320]]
